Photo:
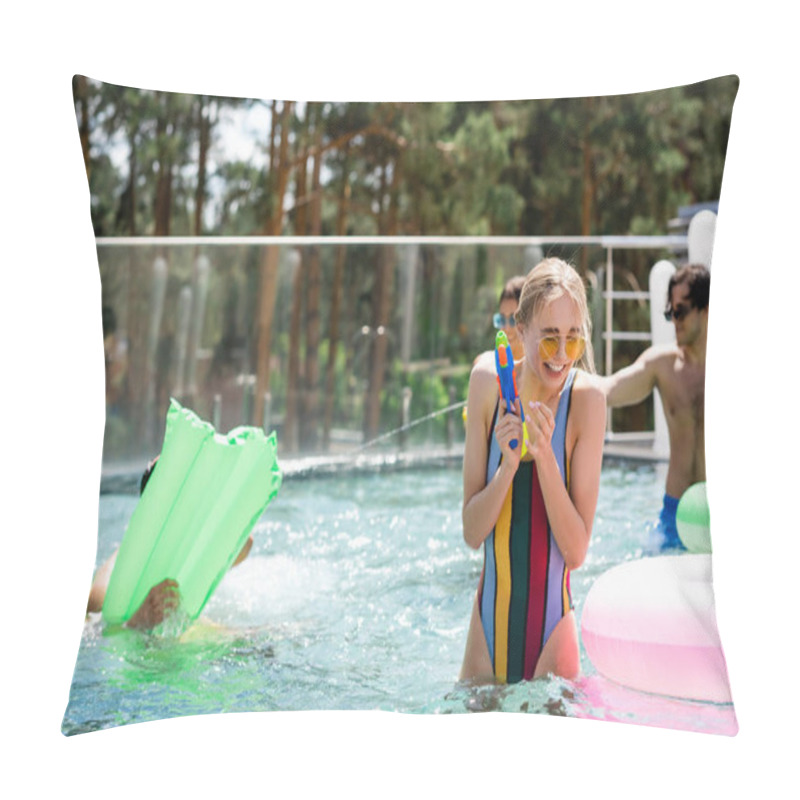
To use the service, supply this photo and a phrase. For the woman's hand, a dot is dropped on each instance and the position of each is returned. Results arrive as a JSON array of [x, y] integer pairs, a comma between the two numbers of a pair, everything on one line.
[[508, 428], [484, 498], [540, 423]]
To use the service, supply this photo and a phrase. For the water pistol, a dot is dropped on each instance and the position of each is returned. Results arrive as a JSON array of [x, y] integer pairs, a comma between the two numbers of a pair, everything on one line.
[[507, 380]]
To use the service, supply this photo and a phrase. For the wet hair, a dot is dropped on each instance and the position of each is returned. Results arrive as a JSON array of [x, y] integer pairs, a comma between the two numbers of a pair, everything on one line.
[[547, 281], [513, 289], [697, 279], [146, 475]]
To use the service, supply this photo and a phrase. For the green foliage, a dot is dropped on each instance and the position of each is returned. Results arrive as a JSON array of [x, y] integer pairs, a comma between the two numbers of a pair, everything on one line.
[[568, 166], [512, 167], [430, 393]]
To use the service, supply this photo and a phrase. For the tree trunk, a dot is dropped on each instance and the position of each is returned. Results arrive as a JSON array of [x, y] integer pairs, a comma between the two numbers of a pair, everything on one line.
[[309, 430], [269, 268], [204, 138], [382, 305], [132, 177], [164, 174], [291, 419], [273, 133], [379, 344], [336, 293], [587, 193]]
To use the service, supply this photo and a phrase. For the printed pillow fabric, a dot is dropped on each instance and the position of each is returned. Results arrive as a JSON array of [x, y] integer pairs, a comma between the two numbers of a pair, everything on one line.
[[329, 272]]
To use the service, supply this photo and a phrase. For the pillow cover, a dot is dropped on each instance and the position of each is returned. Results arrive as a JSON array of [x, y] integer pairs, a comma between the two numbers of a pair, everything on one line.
[[353, 336]]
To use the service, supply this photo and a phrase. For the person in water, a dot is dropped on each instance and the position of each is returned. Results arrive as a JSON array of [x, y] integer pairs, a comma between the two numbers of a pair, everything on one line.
[[163, 599], [532, 507], [504, 319], [678, 371]]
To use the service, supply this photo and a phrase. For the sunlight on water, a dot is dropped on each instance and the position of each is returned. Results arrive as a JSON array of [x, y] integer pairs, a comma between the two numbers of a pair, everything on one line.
[[356, 595]]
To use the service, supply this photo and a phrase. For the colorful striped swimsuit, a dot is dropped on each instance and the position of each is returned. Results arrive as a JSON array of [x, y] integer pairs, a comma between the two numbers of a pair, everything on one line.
[[524, 588]]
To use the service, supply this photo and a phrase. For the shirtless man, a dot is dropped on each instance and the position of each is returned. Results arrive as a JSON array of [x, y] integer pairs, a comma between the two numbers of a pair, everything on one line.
[[678, 372]]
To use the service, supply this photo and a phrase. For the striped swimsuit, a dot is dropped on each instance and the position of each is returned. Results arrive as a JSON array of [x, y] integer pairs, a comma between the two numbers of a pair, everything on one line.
[[524, 587]]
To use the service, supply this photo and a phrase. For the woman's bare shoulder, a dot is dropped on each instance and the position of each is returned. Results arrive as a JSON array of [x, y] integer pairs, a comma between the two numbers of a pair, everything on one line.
[[587, 394], [482, 396], [483, 376]]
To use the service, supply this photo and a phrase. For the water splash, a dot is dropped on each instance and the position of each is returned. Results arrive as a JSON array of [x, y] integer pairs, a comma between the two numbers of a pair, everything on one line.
[[412, 424]]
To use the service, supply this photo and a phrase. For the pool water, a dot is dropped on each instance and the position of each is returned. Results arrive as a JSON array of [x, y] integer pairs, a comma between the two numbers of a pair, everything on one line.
[[356, 595]]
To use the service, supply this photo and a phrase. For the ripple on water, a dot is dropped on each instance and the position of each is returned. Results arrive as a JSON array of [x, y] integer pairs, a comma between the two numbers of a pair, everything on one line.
[[357, 594]]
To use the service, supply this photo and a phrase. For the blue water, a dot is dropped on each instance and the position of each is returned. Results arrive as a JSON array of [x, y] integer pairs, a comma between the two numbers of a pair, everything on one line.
[[356, 595]]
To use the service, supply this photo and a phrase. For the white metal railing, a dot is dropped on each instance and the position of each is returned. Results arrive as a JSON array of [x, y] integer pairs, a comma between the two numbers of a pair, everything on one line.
[[674, 243]]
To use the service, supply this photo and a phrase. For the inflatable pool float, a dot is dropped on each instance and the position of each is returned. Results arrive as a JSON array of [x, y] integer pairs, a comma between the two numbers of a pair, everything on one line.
[[650, 625], [195, 514], [597, 697], [693, 519]]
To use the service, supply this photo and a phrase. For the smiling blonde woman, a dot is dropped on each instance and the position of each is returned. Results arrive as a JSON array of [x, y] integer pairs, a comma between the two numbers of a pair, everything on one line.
[[533, 514]]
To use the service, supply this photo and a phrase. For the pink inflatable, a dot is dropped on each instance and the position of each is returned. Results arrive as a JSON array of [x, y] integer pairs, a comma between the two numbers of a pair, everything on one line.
[[599, 698], [650, 625]]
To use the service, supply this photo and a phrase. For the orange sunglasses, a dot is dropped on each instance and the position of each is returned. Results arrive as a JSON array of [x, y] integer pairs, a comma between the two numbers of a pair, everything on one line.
[[574, 347]]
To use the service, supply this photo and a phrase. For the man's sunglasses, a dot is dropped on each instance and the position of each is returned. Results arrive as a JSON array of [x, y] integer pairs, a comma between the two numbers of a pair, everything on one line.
[[500, 321], [573, 347], [677, 313]]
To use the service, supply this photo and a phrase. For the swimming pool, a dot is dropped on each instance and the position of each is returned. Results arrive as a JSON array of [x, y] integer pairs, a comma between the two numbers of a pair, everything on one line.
[[357, 595]]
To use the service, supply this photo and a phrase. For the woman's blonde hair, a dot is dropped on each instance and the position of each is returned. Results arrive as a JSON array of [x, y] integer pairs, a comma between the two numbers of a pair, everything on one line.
[[547, 281]]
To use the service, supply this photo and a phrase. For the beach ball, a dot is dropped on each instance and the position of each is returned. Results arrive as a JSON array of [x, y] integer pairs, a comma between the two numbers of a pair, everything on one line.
[[693, 519]]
